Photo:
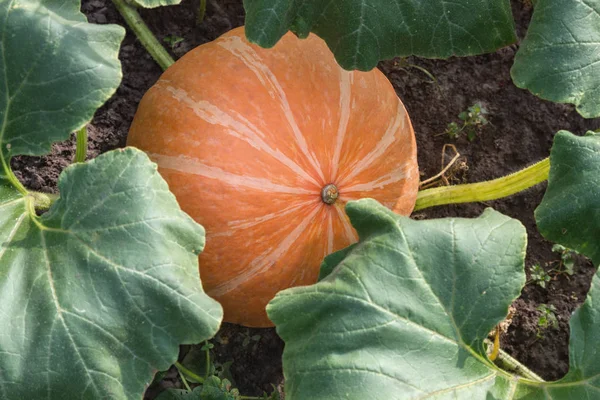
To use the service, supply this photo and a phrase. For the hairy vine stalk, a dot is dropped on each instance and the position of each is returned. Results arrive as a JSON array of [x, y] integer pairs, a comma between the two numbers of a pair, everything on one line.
[[143, 33], [510, 364], [82, 142], [485, 191]]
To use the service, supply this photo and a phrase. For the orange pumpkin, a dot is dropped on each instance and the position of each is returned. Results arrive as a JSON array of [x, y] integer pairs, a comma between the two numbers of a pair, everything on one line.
[[264, 147]]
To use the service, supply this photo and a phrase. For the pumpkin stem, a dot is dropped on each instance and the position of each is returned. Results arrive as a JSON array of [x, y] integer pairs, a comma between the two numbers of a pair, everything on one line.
[[329, 193], [143, 33], [484, 191]]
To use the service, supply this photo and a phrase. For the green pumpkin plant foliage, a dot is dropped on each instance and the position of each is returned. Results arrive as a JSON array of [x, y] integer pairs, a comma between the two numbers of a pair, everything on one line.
[[98, 292], [366, 32], [404, 313], [557, 61]]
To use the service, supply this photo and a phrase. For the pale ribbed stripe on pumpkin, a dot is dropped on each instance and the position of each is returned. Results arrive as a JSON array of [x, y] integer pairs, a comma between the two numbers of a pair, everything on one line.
[[249, 223], [349, 233], [247, 137], [346, 79], [244, 52], [192, 166], [268, 258], [238, 126], [394, 132], [329, 234]]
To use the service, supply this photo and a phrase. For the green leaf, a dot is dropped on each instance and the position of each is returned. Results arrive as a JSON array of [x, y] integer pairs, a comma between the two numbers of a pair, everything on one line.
[[195, 361], [406, 311], [55, 71], [583, 379], [559, 58], [471, 134], [217, 389], [98, 293], [362, 32], [404, 314], [331, 261], [583, 354], [570, 212], [223, 371]]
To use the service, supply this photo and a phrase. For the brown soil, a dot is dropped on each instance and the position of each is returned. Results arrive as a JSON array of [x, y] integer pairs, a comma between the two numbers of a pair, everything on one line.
[[520, 133]]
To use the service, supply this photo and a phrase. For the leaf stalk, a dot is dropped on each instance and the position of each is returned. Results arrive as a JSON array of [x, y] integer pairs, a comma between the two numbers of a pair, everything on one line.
[[143, 33], [510, 364], [201, 12], [184, 371], [82, 142], [10, 175]]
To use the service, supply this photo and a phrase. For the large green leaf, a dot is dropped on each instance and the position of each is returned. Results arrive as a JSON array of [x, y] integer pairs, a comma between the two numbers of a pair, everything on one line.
[[97, 294], [570, 211], [362, 32], [55, 71], [559, 60], [404, 313]]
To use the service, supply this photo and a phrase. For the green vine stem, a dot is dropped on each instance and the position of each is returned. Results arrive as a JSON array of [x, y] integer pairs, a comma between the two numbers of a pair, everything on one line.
[[82, 141], [185, 382], [201, 12], [38, 200], [509, 364], [207, 367], [143, 33], [10, 175], [184, 371], [484, 191]]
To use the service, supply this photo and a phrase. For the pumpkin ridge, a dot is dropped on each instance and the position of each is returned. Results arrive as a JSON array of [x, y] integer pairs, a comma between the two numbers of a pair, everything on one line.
[[392, 177], [348, 229], [246, 54], [330, 233], [239, 127], [269, 259], [249, 223], [389, 137], [193, 166], [346, 78]]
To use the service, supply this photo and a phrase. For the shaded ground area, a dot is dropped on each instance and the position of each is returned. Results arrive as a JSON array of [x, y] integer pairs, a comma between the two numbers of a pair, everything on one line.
[[520, 132]]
